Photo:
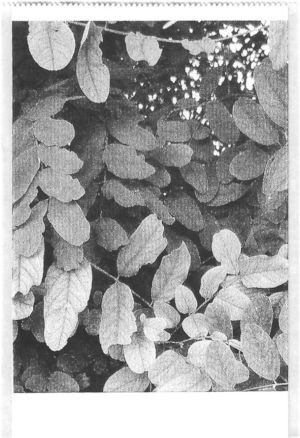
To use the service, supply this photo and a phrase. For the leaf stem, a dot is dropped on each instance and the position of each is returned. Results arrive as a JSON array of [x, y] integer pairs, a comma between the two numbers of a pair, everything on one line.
[[265, 387], [107, 274]]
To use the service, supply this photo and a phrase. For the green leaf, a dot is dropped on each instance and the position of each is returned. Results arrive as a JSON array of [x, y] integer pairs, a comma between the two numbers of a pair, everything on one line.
[[92, 74], [114, 189], [110, 234], [61, 160], [140, 354], [283, 319], [167, 312], [172, 272], [174, 131], [226, 249], [195, 326], [185, 300], [272, 92], [251, 119], [67, 294], [223, 367], [233, 301], [249, 164], [54, 132], [142, 48], [125, 380], [124, 162], [27, 271], [282, 342], [186, 211], [67, 256], [194, 174], [260, 352], [28, 238], [221, 122], [59, 185], [228, 193], [133, 135], [144, 246], [218, 319], [276, 173], [22, 305], [68, 221], [24, 169], [278, 42], [211, 280], [62, 382], [118, 320], [195, 47], [51, 44], [263, 271], [258, 311], [170, 372], [173, 154], [197, 353]]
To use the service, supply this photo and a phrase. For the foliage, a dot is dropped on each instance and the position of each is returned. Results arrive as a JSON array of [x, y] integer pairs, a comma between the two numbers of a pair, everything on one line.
[[150, 244]]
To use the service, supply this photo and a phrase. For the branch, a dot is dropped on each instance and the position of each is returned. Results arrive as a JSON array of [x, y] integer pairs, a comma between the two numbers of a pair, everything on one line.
[[107, 274]]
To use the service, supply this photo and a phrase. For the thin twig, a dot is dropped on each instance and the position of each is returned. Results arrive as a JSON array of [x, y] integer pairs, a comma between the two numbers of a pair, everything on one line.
[[115, 279], [265, 386]]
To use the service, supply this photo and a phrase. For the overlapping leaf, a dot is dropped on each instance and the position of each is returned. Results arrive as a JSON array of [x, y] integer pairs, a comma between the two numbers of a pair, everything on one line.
[[27, 271], [53, 132], [59, 185], [61, 160], [125, 380]]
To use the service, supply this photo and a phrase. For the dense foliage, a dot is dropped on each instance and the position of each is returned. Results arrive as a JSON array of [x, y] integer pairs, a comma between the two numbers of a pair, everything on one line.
[[150, 206]]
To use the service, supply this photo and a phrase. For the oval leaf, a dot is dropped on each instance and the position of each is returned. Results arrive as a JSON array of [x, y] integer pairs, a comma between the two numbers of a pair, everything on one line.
[[222, 122], [140, 353], [249, 164], [167, 313], [60, 186], [22, 305], [27, 271], [186, 211], [54, 132], [125, 380], [194, 174], [173, 154], [62, 382], [276, 173], [195, 326], [24, 169], [185, 300], [110, 234], [233, 301], [211, 280], [218, 319], [259, 311], [226, 249], [263, 271], [61, 160]]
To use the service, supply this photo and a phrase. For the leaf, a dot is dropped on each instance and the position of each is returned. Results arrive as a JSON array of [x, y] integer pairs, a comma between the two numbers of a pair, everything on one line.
[[260, 352], [221, 122], [94, 318], [156, 206], [51, 44], [249, 164], [218, 319], [110, 234], [283, 319], [15, 330], [195, 326], [67, 256], [24, 169], [62, 382], [272, 92], [45, 106], [223, 367], [194, 174], [226, 249], [117, 321], [282, 342], [251, 119], [67, 295], [259, 311], [22, 305], [92, 74], [197, 353], [228, 193], [36, 383], [140, 353], [154, 329], [22, 136], [61, 160], [276, 173], [185, 300], [133, 135], [195, 47], [170, 373], [199, 132], [27, 271], [210, 82], [263, 271], [60, 186], [54, 132], [21, 209], [278, 42], [121, 194], [142, 48], [186, 211], [174, 131], [161, 177], [223, 163], [145, 245], [173, 154], [211, 280], [125, 380], [233, 301], [167, 312], [172, 272], [175, 240], [213, 184], [68, 221], [28, 238], [124, 162]]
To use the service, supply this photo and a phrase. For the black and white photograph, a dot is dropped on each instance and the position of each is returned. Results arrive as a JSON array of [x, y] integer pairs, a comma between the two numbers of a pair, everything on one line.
[[150, 206]]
